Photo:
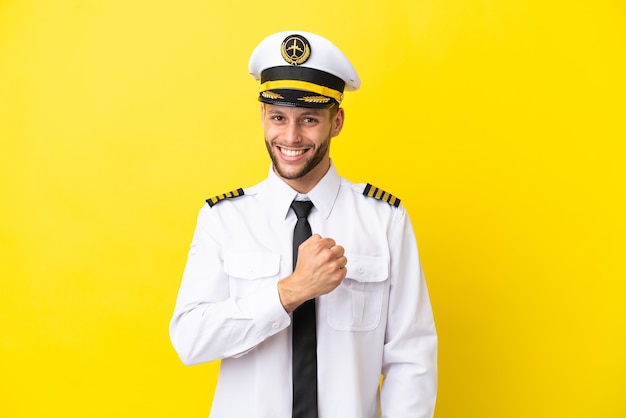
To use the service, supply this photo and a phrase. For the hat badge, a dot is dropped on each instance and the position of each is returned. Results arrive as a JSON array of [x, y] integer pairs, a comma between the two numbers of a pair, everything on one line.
[[295, 49]]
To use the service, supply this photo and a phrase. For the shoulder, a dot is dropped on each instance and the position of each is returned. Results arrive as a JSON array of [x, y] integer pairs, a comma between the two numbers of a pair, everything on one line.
[[375, 194], [234, 195]]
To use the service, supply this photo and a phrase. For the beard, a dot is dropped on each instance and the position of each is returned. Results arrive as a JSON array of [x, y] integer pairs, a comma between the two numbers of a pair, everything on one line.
[[312, 161]]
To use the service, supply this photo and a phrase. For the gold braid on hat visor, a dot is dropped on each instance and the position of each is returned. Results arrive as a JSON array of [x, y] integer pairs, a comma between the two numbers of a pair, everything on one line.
[[301, 85]]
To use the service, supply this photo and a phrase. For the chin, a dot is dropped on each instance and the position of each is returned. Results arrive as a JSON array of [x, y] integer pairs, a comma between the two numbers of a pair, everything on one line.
[[289, 174]]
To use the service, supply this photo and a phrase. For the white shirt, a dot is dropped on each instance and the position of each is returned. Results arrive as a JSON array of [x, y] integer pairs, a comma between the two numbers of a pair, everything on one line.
[[379, 320]]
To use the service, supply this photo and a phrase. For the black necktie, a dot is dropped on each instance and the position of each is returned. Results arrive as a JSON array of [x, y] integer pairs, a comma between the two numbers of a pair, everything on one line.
[[304, 337]]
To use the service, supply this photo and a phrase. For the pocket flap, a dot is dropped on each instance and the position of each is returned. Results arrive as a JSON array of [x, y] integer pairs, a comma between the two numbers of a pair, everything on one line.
[[251, 265], [365, 268]]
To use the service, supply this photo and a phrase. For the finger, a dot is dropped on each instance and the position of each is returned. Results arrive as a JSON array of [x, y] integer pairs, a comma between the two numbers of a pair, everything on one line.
[[328, 242], [344, 271], [314, 237], [337, 250]]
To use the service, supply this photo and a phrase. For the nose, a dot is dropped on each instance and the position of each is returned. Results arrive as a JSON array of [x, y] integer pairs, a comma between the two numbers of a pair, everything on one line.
[[293, 133]]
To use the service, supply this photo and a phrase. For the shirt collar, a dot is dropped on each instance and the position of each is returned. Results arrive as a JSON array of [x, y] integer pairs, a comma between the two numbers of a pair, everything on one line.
[[323, 195]]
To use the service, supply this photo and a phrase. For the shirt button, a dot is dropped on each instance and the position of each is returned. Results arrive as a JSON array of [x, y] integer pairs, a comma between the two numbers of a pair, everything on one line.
[[360, 270], [275, 325]]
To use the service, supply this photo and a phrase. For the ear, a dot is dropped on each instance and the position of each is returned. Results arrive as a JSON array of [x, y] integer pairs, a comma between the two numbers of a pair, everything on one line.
[[337, 122], [262, 115]]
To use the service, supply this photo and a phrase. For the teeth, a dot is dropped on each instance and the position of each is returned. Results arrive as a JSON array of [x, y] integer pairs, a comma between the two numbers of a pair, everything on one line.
[[292, 152]]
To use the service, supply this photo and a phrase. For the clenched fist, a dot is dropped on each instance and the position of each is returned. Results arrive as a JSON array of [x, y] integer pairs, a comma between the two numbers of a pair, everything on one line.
[[320, 268]]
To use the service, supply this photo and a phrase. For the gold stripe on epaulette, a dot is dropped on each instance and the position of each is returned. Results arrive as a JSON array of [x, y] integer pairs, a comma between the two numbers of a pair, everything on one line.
[[379, 194], [214, 200]]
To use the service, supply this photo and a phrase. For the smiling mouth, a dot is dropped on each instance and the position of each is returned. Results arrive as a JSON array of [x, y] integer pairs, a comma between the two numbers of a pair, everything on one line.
[[292, 152]]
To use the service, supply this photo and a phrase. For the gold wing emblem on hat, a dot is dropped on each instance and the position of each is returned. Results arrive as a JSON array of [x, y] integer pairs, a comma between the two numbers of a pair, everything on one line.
[[271, 95], [315, 99], [295, 49]]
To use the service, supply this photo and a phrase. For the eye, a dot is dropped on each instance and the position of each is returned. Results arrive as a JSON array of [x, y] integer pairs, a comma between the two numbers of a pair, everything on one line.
[[309, 120], [277, 118]]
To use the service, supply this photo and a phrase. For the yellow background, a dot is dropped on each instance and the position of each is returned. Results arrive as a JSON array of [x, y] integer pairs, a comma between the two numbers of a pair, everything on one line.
[[500, 125]]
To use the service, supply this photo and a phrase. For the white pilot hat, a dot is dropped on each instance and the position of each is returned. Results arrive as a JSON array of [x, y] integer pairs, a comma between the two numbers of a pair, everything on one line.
[[301, 69]]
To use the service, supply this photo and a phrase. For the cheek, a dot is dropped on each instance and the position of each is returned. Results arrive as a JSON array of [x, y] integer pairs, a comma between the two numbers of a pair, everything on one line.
[[269, 130]]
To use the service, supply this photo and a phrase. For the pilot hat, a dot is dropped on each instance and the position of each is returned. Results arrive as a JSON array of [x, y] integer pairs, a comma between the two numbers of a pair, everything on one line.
[[301, 69]]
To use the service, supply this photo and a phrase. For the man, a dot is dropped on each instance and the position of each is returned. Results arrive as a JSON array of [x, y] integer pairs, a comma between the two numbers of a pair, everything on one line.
[[314, 340]]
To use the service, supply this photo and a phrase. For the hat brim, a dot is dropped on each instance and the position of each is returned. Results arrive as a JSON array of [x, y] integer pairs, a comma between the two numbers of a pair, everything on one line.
[[296, 98]]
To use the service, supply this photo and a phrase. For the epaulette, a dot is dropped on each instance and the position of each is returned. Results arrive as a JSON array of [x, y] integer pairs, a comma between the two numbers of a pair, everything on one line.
[[379, 194], [214, 200]]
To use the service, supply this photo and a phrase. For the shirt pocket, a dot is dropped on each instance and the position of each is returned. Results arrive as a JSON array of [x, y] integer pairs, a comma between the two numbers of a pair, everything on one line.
[[357, 303], [247, 271]]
